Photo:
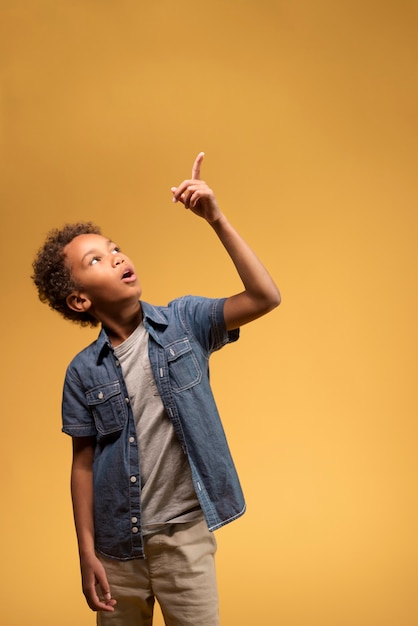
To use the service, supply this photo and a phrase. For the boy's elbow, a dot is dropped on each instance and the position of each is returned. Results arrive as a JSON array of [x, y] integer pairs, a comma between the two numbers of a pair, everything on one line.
[[275, 299], [272, 301]]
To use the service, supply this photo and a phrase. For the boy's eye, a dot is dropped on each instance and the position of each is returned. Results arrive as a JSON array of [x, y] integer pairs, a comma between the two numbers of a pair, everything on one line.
[[115, 250], [94, 260]]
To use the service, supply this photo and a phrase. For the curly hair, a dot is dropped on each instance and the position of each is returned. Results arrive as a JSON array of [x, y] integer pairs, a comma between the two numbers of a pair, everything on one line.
[[51, 275]]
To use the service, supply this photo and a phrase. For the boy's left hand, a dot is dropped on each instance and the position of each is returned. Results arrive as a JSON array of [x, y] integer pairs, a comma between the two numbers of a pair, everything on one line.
[[196, 195]]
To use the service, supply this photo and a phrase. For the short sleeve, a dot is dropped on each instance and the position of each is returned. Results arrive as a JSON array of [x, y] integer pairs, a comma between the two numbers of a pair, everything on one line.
[[204, 318], [77, 420]]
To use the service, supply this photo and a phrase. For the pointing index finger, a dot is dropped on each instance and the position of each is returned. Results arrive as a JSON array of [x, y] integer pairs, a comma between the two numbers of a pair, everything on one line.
[[196, 166]]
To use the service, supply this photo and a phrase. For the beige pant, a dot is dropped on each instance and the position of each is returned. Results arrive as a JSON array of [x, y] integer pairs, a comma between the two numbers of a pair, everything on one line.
[[179, 571]]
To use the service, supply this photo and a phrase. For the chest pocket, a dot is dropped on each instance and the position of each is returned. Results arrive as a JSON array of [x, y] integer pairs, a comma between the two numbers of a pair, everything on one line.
[[183, 366], [108, 406]]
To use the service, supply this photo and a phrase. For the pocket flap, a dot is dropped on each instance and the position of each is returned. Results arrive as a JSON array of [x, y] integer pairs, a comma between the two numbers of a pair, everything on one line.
[[176, 349], [102, 393]]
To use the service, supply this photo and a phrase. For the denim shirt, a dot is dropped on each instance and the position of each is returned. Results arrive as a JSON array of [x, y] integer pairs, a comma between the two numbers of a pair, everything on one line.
[[182, 336]]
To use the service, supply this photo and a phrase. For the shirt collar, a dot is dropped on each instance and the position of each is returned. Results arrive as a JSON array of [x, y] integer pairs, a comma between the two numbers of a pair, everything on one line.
[[151, 316]]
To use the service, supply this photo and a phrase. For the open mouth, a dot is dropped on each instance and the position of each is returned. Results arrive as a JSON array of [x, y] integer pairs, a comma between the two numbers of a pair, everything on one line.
[[128, 275]]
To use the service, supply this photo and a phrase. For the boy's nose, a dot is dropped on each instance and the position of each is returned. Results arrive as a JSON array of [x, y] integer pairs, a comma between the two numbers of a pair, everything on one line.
[[118, 259]]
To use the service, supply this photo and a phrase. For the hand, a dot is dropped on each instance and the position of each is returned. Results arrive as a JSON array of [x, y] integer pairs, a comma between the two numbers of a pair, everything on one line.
[[196, 195], [93, 575]]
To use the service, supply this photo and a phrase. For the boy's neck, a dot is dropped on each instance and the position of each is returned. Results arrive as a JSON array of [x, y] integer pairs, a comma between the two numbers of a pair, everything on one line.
[[119, 329]]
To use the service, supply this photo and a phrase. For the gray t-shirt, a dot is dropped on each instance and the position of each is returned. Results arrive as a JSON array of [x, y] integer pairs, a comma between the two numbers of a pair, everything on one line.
[[167, 495]]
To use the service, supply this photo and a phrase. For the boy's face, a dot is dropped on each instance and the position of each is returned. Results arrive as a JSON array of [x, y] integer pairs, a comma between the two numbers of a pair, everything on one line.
[[105, 275]]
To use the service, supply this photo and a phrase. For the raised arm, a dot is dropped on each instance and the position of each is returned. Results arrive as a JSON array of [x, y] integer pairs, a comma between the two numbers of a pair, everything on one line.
[[260, 294], [92, 571]]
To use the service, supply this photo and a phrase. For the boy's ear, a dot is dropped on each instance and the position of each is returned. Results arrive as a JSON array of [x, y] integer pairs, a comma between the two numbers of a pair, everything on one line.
[[77, 302]]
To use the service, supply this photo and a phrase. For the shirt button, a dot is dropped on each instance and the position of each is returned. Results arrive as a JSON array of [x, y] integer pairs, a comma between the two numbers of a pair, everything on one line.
[[133, 479], [117, 363], [127, 400], [131, 439], [134, 520], [135, 530]]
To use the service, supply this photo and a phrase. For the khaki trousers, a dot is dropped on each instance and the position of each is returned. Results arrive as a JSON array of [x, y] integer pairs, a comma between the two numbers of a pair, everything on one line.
[[179, 571]]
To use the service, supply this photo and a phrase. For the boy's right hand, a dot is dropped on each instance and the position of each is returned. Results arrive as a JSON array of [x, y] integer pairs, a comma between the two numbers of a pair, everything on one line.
[[94, 578], [196, 195]]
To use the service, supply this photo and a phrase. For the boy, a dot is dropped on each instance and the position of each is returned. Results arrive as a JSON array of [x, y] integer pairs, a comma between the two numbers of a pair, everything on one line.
[[152, 474]]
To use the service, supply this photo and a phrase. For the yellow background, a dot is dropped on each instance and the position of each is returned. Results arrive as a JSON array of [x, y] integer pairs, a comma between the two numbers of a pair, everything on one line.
[[307, 111]]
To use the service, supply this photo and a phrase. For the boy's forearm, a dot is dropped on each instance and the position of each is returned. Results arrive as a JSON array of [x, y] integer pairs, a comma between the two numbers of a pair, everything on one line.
[[260, 288], [82, 498]]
